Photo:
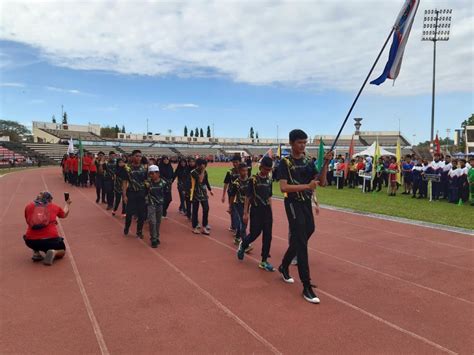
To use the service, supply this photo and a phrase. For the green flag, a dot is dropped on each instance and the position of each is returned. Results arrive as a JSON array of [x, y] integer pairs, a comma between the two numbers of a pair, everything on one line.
[[320, 155], [81, 155]]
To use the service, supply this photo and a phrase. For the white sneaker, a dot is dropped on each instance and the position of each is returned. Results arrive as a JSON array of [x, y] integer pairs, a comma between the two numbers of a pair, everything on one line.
[[197, 230], [206, 231]]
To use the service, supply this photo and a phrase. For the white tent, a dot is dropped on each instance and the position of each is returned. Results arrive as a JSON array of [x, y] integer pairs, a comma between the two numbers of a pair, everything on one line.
[[371, 152]]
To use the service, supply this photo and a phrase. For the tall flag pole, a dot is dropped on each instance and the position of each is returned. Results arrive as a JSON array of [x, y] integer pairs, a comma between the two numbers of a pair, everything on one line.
[[401, 27], [376, 158]]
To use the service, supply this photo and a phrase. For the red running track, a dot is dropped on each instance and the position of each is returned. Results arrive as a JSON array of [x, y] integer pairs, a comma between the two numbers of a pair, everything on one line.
[[385, 287]]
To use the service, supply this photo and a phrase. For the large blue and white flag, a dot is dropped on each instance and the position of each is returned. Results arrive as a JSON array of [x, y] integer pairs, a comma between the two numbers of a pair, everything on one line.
[[401, 32]]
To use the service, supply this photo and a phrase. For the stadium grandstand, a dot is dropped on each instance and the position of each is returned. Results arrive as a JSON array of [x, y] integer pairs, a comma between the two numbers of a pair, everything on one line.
[[50, 141]]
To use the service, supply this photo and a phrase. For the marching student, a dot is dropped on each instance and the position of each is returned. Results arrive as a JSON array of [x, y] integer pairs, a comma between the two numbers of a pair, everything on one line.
[[297, 182], [74, 168], [393, 170], [92, 169], [118, 182], [166, 173], [64, 167], [108, 170], [237, 192], [99, 179], [231, 175], [199, 186], [259, 200], [86, 163], [187, 186], [133, 192], [156, 191], [180, 175]]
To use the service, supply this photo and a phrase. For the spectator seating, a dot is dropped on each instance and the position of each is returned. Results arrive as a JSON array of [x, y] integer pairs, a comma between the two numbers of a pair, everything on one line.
[[53, 151], [6, 155]]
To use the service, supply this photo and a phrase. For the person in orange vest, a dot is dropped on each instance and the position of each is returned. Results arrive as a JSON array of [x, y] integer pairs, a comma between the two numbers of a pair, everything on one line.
[[92, 169]]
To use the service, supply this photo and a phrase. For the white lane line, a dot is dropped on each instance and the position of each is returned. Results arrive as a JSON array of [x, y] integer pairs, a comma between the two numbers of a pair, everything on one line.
[[372, 270], [11, 199], [346, 303], [90, 312], [201, 290]]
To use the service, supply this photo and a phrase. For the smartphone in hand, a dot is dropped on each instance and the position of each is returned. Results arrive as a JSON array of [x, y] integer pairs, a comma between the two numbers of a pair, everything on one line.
[[66, 196]]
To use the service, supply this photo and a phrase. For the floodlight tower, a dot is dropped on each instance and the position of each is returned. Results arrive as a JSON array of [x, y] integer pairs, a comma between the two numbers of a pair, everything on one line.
[[436, 27]]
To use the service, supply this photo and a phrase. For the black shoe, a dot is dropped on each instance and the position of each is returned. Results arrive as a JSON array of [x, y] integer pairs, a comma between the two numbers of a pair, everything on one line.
[[285, 275], [97, 201], [108, 208], [125, 231], [309, 295], [154, 244], [140, 234]]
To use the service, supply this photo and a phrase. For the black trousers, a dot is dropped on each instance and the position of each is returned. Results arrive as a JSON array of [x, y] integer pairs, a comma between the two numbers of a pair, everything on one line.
[[435, 190], [205, 212], [84, 177], [261, 221], [118, 198], [378, 182], [136, 206], [92, 175], [301, 223], [166, 203], [182, 199], [416, 186], [189, 204], [109, 192], [99, 188]]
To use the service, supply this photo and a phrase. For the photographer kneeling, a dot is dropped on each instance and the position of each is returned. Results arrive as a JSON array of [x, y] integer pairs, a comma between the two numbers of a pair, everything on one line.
[[42, 233]]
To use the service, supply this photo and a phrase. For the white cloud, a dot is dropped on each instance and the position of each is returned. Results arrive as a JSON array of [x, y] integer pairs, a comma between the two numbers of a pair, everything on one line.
[[13, 85], [322, 45], [178, 106], [68, 91]]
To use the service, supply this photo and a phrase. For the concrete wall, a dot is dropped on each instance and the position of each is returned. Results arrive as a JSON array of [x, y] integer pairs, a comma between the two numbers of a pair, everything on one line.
[[40, 136]]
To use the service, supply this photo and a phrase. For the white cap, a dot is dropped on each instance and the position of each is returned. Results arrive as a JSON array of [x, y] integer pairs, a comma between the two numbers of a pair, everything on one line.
[[153, 168]]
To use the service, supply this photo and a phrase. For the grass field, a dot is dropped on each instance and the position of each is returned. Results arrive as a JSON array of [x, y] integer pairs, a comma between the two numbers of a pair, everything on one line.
[[400, 206]]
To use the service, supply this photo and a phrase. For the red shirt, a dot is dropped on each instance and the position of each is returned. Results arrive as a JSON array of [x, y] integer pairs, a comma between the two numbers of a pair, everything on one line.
[[47, 232], [75, 165], [86, 163], [360, 166], [68, 164], [93, 167], [393, 166]]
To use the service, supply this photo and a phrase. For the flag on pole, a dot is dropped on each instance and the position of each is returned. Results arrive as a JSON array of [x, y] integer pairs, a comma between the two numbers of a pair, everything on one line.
[[437, 145], [279, 151], [320, 155], [398, 154], [349, 157], [81, 155], [401, 33], [269, 153], [70, 148]]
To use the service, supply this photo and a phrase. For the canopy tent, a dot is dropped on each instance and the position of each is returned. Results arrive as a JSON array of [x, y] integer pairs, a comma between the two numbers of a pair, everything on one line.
[[371, 152]]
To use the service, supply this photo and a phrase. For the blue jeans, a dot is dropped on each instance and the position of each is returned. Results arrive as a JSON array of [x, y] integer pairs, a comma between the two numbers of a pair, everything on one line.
[[238, 220]]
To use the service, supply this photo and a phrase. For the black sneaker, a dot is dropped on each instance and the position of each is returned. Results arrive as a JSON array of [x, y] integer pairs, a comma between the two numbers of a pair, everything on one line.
[[97, 201], [285, 275], [125, 231], [309, 295], [154, 244], [140, 234]]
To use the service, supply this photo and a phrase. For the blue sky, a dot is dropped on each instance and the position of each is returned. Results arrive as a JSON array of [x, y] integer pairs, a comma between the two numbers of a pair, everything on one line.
[[289, 84]]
